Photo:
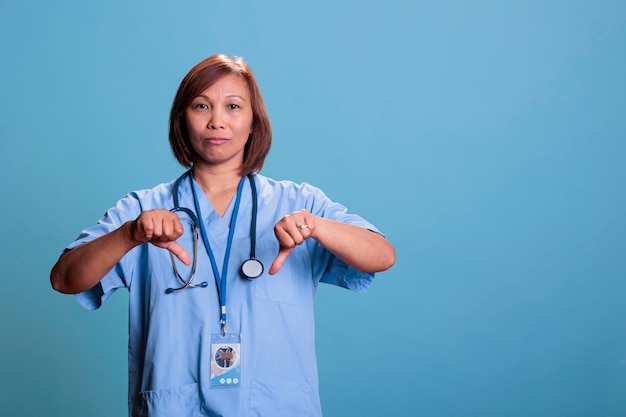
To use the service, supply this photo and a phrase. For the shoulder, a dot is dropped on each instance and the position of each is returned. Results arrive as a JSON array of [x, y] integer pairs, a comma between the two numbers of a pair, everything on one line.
[[284, 195], [160, 193], [288, 187], [159, 196], [289, 195]]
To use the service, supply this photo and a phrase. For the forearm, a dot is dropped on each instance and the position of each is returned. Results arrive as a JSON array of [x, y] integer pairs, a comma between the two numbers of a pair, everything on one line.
[[84, 266], [360, 248]]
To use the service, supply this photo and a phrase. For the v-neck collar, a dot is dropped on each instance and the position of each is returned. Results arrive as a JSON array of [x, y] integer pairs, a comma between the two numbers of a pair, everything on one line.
[[210, 217]]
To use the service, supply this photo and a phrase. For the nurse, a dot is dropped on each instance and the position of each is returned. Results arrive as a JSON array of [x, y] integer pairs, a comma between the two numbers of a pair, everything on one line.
[[231, 344]]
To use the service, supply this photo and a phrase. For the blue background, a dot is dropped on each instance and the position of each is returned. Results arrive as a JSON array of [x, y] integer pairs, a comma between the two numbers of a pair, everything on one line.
[[487, 139]]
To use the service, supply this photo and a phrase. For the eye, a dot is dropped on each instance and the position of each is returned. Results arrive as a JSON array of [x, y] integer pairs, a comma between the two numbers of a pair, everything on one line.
[[201, 106], [233, 106]]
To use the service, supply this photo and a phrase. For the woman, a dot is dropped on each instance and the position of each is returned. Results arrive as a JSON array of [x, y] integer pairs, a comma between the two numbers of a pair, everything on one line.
[[222, 344]]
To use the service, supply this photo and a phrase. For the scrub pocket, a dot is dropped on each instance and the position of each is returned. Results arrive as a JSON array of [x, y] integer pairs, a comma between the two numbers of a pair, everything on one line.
[[287, 285], [181, 401], [283, 399]]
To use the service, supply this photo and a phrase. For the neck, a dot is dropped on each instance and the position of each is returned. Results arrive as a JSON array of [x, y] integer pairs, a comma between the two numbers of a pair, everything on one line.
[[215, 180]]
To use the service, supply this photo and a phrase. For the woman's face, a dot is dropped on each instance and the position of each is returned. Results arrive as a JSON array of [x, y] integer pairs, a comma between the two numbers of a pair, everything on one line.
[[219, 121]]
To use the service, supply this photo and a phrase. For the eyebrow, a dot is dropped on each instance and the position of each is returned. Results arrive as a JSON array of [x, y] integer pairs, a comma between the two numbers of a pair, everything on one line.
[[227, 96]]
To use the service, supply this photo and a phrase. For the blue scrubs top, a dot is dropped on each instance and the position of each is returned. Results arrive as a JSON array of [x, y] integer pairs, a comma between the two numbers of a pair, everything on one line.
[[169, 353]]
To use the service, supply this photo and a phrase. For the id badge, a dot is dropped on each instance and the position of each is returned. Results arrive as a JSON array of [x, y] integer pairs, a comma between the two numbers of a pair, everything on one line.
[[226, 360]]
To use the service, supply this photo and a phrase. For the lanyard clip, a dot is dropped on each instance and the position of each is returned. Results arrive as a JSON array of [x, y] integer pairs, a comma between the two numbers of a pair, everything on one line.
[[223, 320]]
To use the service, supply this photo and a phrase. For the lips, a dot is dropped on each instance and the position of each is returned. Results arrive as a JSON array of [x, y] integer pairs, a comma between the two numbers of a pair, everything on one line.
[[216, 141]]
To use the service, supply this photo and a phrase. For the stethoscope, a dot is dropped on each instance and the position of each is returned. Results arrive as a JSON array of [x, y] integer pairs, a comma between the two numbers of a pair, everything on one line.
[[251, 268]]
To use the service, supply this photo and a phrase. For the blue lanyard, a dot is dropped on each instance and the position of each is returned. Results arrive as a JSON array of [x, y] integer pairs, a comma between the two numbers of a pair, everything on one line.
[[220, 280]]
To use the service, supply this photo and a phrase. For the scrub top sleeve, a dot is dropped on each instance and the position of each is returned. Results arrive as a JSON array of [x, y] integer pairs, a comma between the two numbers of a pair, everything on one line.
[[93, 298], [333, 270], [120, 275], [344, 276]]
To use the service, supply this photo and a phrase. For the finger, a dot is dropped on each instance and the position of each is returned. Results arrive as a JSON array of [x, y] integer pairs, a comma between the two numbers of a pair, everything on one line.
[[305, 230], [172, 229], [179, 252], [178, 229], [280, 259], [167, 229], [291, 233], [301, 225], [309, 221], [297, 234], [285, 237], [145, 228], [157, 229]]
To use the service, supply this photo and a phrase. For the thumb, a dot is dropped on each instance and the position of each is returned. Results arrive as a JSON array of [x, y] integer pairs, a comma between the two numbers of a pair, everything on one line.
[[179, 252], [280, 259]]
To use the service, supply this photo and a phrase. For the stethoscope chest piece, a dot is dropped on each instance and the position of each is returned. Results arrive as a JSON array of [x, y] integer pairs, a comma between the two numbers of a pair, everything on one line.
[[252, 268]]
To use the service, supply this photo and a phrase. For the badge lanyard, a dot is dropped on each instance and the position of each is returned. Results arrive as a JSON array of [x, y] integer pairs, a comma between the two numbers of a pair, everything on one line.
[[220, 280]]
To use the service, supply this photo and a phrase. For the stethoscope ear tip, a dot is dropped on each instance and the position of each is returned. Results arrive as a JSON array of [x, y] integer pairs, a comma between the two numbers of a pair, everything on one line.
[[169, 291]]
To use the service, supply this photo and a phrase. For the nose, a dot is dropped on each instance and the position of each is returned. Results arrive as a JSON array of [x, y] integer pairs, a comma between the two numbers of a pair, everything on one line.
[[216, 121]]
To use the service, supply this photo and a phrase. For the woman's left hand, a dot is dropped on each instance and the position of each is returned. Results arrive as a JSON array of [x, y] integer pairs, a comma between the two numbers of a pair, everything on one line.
[[291, 231], [360, 248]]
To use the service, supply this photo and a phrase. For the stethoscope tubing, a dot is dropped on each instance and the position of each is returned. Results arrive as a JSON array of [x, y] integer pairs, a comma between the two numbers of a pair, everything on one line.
[[251, 268]]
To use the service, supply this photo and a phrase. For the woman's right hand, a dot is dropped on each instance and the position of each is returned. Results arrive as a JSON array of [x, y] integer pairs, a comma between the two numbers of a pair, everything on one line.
[[84, 266], [161, 228]]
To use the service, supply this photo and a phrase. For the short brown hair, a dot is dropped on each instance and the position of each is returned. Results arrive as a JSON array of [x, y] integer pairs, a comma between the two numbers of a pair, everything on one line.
[[199, 78]]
